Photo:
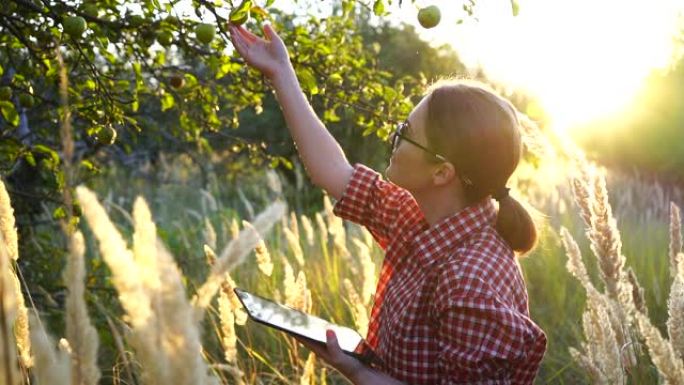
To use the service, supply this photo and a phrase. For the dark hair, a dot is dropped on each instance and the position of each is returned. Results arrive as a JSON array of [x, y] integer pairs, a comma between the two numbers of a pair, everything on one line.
[[479, 132]]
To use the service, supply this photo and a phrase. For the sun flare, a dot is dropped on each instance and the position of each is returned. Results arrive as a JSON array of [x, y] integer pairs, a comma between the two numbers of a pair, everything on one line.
[[582, 59]]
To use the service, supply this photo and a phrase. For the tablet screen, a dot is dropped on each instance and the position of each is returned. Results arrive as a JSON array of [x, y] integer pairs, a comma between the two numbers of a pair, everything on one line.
[[295, 321]]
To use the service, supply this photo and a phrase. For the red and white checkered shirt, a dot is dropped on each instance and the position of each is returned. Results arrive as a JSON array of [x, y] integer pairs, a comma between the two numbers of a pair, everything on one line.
[[451, 304]]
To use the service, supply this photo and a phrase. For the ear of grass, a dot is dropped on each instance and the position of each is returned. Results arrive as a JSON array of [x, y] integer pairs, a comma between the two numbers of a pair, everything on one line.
[[9, 372], [236, 251], [125, 272], [80, 331], [52, 366], [9, 235], [661, 351], [675, 321], [675, 246]]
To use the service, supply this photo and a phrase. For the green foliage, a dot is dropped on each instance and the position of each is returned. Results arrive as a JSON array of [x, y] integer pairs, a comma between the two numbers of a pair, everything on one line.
[[123, 68]]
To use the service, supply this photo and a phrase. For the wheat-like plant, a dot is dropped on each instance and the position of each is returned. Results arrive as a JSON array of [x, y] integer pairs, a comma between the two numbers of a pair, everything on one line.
[[235, 252], [309, 375], [209, 233], [9, 235], [367, 270], [675, 246], [80, 332], [52, 361], [165, 332], [263, 257], [294, 245], [675, 309], [7, 226], [227, 319], [358, 308], [9, 373], [308, 229], [661, 351], [623, 305]]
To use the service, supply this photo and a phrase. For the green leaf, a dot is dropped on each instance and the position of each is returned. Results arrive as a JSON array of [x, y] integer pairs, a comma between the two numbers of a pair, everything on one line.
[[308, 81], [137, 69], [90, 84], [244, 6], [30, 159], [59, 213], [240, 14], [347, 7], [515, 7], [10, 150], [331, 116], [135, 105], [268, 3], [167, 101], [88, 165], [52, 154], [379, 7], [226, 69], [9, 113]]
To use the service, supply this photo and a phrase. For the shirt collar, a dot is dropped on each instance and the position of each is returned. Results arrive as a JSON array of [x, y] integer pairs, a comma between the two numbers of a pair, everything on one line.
[[449, 232]]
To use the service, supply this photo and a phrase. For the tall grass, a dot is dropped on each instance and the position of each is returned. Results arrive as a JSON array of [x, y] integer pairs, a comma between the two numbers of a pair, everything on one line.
[[179, 322]]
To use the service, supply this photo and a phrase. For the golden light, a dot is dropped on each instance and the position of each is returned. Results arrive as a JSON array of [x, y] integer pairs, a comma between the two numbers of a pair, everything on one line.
[[582, 59]]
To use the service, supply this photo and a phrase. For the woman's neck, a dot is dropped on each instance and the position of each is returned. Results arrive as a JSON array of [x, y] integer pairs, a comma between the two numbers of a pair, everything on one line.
[[437, 204]]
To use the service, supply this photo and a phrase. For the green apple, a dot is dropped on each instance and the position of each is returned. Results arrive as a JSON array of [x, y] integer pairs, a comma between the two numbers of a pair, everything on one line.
[[205, 32], [106, 135], [26, 100], [177, 81], [172, 20], [5, 93], [135, 21], [429, 17], [165, 38], [74, 25], [91, 10]]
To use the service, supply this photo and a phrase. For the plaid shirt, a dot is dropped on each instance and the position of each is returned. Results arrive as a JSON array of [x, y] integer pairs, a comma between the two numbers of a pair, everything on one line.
[[451, 304]]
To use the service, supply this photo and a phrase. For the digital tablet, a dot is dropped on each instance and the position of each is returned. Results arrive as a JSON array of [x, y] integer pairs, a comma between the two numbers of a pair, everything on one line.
[[298, 323]]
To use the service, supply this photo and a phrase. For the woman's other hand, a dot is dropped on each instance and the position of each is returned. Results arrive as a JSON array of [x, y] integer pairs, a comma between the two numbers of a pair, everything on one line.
[[331, 353], [267, 55]]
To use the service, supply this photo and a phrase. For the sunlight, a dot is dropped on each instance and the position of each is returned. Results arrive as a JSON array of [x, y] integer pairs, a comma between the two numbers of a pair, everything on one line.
[[583, 59]]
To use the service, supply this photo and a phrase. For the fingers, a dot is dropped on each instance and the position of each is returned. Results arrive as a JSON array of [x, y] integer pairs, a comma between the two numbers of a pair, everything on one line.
[[269, 32], [248, 36], [333, 346], [238, 42], [316, 348]]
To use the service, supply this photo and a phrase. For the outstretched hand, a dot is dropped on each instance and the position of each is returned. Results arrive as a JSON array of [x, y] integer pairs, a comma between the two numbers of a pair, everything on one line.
[[268, 55]]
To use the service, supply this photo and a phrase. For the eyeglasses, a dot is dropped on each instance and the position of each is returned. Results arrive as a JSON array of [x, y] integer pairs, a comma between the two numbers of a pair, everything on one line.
[[398, 135]]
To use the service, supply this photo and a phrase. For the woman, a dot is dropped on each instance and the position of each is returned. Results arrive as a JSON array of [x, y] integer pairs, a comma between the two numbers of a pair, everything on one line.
[[451, 304]]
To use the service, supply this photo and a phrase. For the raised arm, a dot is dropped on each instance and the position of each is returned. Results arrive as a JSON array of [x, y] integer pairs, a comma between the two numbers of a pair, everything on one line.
[[323, 158]]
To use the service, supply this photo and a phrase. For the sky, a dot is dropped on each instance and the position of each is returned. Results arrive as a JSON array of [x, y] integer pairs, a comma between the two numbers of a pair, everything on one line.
[[583, 59]]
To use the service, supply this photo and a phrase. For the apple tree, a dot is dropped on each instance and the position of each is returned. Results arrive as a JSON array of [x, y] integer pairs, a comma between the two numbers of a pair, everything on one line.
[[150, 75]]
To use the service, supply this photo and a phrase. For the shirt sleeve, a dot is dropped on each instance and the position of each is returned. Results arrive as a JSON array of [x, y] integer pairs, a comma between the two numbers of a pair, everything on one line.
[[375, 203], [481, 338]]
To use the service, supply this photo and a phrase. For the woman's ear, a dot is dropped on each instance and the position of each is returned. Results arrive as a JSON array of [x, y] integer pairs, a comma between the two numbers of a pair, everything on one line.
[[443, 174]]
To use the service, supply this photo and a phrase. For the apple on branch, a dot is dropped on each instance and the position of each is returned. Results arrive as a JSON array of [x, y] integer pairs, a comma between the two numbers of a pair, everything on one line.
[[429, 16]]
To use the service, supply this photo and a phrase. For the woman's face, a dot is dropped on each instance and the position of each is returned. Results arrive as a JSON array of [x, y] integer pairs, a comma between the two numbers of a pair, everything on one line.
[[409, 167]]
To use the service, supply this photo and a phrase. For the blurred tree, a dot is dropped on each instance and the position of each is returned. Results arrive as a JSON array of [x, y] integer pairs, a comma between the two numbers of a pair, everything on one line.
[[649, 137]]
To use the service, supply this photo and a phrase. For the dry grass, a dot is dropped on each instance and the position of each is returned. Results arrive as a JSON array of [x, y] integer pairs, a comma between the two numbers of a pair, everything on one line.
[[608, 356]]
